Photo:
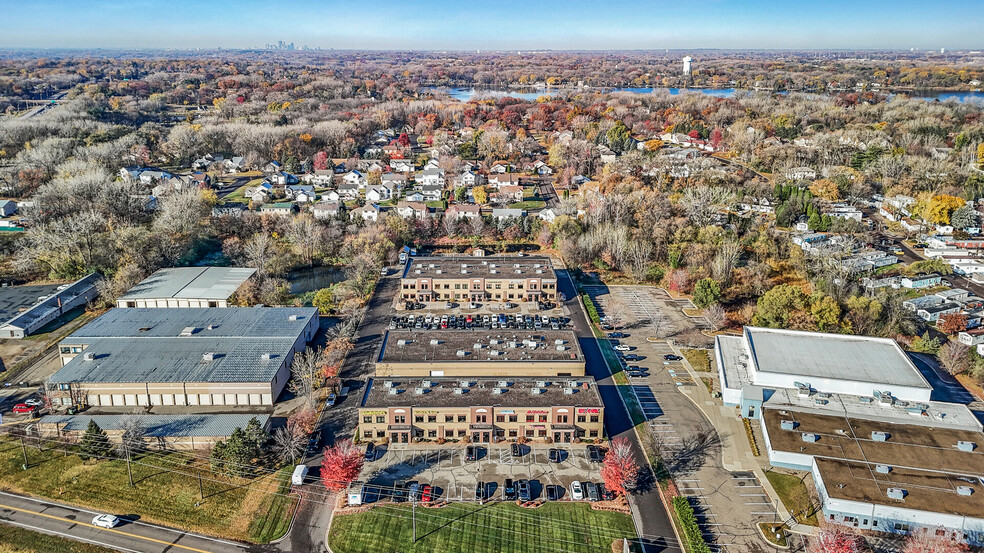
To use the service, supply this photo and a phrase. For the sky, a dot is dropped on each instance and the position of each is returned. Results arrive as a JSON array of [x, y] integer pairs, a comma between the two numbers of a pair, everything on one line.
[[494, 25]]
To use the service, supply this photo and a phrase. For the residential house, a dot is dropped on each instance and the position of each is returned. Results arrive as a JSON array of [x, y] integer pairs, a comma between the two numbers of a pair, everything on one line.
[[497, 180], [234, 164], [378, 193], [910, 225], [395, 181], [320, 177], [355, 177], [415, 196], [401, 165], [8, 208], [348, 191], [502, 214], [300, 192], [369, 212], [549, 215], [606, 154], [278, 208], [206, 162], [370, 165], [431, 177], [326, 210], [432, 163], [432, 192], [801, 173], [260, 192], [464, 211], [971, 337], [392, 150], [229, 209], [283, 178], [922, 281], [331, 196], [470, 179], [415, 210], [500, 167], [272, 167], [922, 302], [933, 314], [541, 168], [510, 193]]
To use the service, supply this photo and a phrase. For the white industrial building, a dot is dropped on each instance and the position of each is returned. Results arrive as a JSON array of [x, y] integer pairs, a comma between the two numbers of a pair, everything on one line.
[[187, 287]]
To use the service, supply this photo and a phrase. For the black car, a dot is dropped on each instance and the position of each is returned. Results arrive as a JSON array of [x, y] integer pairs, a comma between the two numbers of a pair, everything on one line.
[[470, 453], [594, 453], [509, 489], [370, 452], [552, 493], [399, 491], [616, 335], [523, 487], [592, 490], [554, 455], [312, 446], [604, 493], [517, 450], [480, 491], [671, 357]]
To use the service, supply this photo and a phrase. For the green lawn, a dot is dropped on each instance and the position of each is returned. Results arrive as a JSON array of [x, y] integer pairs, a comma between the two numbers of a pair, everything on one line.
[[21, 540], [469, 528], [528, 205], [698, 359], [794, 495], [237, 509]]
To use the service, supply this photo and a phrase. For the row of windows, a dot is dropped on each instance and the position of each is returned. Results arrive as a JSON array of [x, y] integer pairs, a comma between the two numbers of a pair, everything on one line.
[[450, 434], [71, 349], [487, 287], [401, 419]]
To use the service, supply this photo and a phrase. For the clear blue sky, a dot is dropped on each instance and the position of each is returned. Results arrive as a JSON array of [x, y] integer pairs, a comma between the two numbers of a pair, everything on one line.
[[502, 24]]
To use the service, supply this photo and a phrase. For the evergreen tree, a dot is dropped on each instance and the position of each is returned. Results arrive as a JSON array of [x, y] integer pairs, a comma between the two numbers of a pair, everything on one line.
[[95, 442]]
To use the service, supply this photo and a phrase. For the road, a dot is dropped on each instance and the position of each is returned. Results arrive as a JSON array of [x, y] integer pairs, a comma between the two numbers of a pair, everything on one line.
[[131, 536], [228, 188], [650, 517], [547, 191]]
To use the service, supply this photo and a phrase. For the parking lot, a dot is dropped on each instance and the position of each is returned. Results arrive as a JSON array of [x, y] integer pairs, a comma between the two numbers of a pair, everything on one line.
[[455, 478], [472, 321]]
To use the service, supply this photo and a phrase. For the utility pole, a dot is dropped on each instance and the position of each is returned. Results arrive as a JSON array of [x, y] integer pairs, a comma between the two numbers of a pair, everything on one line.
[[414, 516], [24, 451], [201, 488], [129, 473]]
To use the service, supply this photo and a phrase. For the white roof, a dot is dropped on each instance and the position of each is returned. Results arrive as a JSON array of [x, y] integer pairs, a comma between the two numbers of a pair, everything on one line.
[[206, 283]]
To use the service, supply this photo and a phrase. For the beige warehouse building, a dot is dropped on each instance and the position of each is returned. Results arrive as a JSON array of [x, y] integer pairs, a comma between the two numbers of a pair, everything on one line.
[[187, 287], [207, 357], [498, 279]]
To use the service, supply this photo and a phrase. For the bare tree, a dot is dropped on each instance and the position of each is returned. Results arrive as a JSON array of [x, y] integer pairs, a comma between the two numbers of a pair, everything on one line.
[[715, 316], [615, 313], [954, 357], [288, 446], [306, 374], [725, 261]]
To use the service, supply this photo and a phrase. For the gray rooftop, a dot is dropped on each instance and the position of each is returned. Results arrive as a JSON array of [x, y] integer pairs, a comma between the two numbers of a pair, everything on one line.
[[51, 304], [161, 425], [511, 345], [481, 391], [835, 356], [207, 283], [499, 267], [168, 345]]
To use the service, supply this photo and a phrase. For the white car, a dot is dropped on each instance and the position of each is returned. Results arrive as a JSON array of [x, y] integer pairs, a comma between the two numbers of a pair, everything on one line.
[[105, 521], [577, 493], [622, 347], [33, 402]]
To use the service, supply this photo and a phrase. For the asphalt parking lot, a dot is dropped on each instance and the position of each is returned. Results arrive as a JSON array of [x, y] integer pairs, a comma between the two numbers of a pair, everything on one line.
[[455, 478]]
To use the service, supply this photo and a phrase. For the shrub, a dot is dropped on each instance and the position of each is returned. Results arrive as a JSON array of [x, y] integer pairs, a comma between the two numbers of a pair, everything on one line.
[[690, 527]]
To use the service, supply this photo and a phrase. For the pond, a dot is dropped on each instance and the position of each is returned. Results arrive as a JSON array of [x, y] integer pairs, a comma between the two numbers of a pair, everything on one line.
[[309, 279]]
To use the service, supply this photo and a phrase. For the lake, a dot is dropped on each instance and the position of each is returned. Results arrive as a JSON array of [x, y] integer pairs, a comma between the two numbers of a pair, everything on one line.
[[466, 94]]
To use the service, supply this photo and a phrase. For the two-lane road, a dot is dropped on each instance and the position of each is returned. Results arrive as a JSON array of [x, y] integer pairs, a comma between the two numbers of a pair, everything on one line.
[[131, 536]]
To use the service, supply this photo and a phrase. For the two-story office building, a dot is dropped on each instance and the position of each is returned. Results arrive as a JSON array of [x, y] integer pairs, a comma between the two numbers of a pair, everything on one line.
[[497, 279]]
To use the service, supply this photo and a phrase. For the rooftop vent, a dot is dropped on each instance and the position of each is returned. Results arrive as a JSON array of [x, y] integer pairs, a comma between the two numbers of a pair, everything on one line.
[[539, 271], [897, 493], [208, 356], [401, 343], [426, 383], [464, 383], [464, 271], [558, 341], [476, 345], [812, 438], [519, 272], [865, 399], [880, 436], [266, 356], [561, 348], [439, 271], [536, 391], [393, 391], [188, 331], [388, 384], [89, 356], [461, 353], [435, 342], [210, 327], [493, 342], [883, 469], [965, 490], [573, 383], [788, 425], [292, 318], [542, 383], [459, 391], [419, 391], [499, 391], [966, 446], [803, 391]]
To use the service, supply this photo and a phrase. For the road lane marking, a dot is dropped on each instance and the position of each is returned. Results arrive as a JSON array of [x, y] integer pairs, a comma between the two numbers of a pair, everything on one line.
[[120, 532], [69, 536]]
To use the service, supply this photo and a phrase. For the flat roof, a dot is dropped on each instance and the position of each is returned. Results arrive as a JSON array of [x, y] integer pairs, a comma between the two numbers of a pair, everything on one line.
[[51, 304], [162, 425], [169, 345], [14, 300], [834, 356], [925, 490], [444, 345], [481, 391], [735, 373], [207, 283], [504, 267], [846, 437]]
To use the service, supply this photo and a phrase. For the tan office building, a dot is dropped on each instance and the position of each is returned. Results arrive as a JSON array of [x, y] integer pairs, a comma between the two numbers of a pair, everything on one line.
[[497, 279]]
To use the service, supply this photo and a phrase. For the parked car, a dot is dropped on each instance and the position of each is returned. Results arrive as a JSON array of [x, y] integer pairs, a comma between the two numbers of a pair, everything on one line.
[[617, 335], [622, 347], [33, 402], [470, 453], [671, 357], [509, 489], [399, 491], [370, 452], [577, 492], [332, 398], [480, 491], [604, 493], [592, 489], [517, 450], [523, 488], [24, 409], [106, 521], [552, 493], [312, 446], [637, 374], [594, 453], [632, 357], [425, 493], [554, 455]]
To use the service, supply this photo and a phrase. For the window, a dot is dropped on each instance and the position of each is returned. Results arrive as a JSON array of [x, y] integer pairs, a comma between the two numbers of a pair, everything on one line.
[[529, 433], [481, 418], [432, 433], [461, 433], [431, 418], [462, 418], [529, 418], [900, 527], [213, 304], [513, 418], [400, 419], [500, 418], [367, 419], [541, 433], [418, 418], [448, 418], [593, 433], [381, 419], [367, 434], [562, 419], [65, 349], [594, 418], [543, 418], [449, 433], [581, 418], [512, 286], [498, 287], [380, 433], [512, 433]]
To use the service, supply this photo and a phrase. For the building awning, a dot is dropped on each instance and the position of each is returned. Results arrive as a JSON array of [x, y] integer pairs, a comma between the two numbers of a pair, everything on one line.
[[398, 427], [480, 427]]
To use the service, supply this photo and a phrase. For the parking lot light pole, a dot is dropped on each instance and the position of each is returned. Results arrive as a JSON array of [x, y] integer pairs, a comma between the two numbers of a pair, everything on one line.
[[413, 510]]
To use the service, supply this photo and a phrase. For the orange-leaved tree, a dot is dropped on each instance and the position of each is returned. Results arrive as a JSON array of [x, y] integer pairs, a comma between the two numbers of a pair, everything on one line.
[[620, 469], [340, 465]]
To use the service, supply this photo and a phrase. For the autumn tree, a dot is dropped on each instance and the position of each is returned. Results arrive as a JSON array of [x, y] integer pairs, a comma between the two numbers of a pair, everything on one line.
[[340, 465], [952, 323], [320, 161], [619, 469], [825, 189], [941, 206], [954, 357], [826, 312], [481, 195], [928, 542], [833, 539], [776, 306]]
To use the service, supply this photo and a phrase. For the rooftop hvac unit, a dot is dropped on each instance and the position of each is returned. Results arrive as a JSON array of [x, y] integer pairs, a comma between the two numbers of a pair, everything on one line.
[[542, 383], [788, 425], [896, 493], [426, 383], [89, 356], [464, 265], [419, 391], [536, 391], [536, 265], [459, 391], [558, 341], [966, 446], [533, 345], [292, 318], [188, 331], [493, 342], [388, 384], [883, 469], [803, 391], [464, 383], [561, 348], [393, 391], [476, 346], [432, 265], [568, 391], [965, 490], [519, 272], [499, 391], [435, 342], [493, 271], [461, 353], [516, 265], [503, 383], [865, 399], [208, 356], [416, 271], [811, 438], [511, 345], [879, 436], [266, 357], [401, 343], [464, 271], [491, 265], [573, 383], [439, 271], [495, 353]]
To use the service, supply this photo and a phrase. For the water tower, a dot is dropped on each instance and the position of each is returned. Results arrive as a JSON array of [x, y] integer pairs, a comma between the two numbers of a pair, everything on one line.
[[686, 65]]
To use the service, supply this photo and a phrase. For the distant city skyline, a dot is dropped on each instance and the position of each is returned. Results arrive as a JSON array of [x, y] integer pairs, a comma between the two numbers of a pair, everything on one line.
[[498, 25]]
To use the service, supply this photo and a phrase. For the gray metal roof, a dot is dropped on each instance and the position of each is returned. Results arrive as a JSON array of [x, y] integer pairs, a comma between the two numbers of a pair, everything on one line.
[[51, 304], [207, 283], [836, 356], [147, 345], [161, 426]]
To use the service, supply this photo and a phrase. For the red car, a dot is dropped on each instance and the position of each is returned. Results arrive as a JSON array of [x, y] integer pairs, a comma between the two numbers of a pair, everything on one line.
[[425, 494], [24, 409]]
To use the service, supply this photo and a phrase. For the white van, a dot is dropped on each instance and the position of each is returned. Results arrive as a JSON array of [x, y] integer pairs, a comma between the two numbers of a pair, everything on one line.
[[300, 471]]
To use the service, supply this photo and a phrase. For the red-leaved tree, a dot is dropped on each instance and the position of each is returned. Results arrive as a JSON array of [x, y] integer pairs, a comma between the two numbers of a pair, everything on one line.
[[320, 161], [952, 323], [340, 465], [833, 539], [302, 422], [930, 543], [620, 469]]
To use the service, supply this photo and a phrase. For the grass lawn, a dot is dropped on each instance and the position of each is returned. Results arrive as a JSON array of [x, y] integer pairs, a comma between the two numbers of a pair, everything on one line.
[[491, 528], [698, 359], [240, 509], [239, 194], [794, 495], [528, 205], [14, 539]]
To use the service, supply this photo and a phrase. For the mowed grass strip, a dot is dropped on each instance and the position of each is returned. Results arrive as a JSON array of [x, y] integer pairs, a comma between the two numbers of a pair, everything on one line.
[[14, 539], [470, 528], [165, 491]]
